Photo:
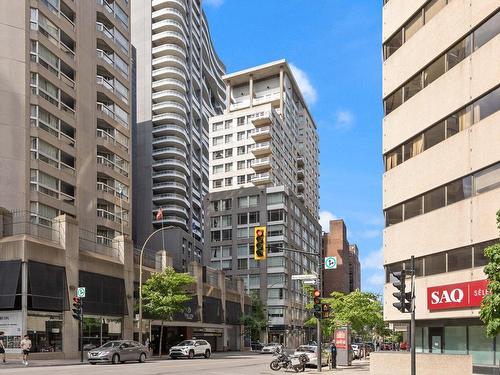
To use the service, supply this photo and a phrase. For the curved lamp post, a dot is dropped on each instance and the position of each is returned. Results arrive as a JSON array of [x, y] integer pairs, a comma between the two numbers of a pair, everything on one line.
[[140, 276]]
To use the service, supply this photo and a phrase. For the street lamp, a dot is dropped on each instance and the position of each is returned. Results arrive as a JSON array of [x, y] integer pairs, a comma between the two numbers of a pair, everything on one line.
[[140, 276]]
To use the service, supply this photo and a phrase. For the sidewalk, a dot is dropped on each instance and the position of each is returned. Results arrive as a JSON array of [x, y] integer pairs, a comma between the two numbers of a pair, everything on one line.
[[358, 367]]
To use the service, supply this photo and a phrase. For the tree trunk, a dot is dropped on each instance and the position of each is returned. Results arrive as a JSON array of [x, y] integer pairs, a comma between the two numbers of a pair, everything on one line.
[[161, 338]]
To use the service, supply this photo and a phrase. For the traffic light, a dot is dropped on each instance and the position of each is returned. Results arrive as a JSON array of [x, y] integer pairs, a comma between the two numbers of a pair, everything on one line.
[[259, 243], [325, 310], [77, 308], [317, 303], [403, 298]]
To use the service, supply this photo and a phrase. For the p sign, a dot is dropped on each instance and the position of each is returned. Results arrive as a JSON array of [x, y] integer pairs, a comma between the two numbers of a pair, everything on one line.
[[80, 292], [330, 263]]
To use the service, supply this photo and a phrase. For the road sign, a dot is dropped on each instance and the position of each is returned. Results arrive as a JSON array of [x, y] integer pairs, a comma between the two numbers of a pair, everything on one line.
[[330, 263], [80, 292], [304, 277], [310, 282]]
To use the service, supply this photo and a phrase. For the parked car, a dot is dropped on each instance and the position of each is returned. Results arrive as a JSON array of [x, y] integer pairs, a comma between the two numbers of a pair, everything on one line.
[[269, 348], [369, 347], [256, 345], [88, 347], [190, 349], [312, 353], [404, 346], [118, 351]]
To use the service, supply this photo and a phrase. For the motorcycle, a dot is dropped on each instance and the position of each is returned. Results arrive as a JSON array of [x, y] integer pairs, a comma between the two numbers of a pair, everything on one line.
[[287, 361]]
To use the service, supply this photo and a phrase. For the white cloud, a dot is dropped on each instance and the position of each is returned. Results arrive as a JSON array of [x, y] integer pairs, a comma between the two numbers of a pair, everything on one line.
[[377, 279], [344, 120], [324, 220], [305, 85], [374, 260], [214, 3]]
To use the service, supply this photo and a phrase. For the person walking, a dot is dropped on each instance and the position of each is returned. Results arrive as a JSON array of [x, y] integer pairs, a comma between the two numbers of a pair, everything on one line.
[[333, 354], [2, 346], [25, 347]]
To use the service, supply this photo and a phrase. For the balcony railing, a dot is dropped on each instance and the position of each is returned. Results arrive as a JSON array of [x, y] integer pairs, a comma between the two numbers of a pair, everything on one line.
[[109, 163]]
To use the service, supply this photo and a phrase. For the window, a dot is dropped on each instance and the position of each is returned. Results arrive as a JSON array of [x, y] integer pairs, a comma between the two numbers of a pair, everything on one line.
[[217, 155], [393, 43], [275, 230], [275, 198], [480, 260], [240, 150], [228, 167], [413, 147], [413, 208], [487, 105], [243, 264], [228, 124], [435, 263], [243, 219], [228, 138], [241, 165], [434, 135], [414, 25], [228, 181], [276, 262], [217, 168], [276, 293], [458, 190], [226, 204], [460, 259], [253, 200], [244, 250], [217, 126], [228, 153], [253, 217], [488, 179], [394, 215], [412, 87], [226, 234], [393, 101], [393, 158], [276, 215], [215, 236], [242, 232], [240, 121], [217, 140], [434, 71], [242, 202], [217, 183], [241, 179], [226, 265], [480, 346], [221, 251], [434, 199], [226, 220], [487, 31], [459, 121], [455, 340], [433, 8], [459, 52], [240, 136]]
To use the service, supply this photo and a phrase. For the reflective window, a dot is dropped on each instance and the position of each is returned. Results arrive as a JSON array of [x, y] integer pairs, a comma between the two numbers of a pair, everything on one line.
[[434, 135], [487, 179], [394, 215], [480, 346], [458, 190], [393, 43], [394, 101], [459, 121], [435, 263], [455, 340], [434, 71], [487, 105], [413, 208], [460, 259], [414, 25], [413, 147], [481, 260], [434, 199], [487, 31], [433, 8], [412, 87], [459, 52], [393, 158]]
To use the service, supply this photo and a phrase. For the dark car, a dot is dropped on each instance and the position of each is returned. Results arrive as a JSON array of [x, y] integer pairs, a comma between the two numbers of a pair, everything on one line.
[[256, 345], [118, 351]]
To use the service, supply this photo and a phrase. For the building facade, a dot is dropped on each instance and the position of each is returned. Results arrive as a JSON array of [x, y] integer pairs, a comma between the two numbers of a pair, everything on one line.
[[178, 88], [346, 278], [264, 172], [442, 165], [65, 158]]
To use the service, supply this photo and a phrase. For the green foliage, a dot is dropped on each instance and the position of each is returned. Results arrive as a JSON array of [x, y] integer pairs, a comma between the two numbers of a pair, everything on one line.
[[165, 293], [490, 308], [256, 321]]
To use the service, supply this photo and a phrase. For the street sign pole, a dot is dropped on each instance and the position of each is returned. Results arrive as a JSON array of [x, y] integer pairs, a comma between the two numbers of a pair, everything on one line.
[[319, 333], [81, 330], [412, 324]]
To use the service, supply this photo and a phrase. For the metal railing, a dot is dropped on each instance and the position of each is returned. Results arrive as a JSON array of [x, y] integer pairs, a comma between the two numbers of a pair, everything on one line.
[[18, 222]]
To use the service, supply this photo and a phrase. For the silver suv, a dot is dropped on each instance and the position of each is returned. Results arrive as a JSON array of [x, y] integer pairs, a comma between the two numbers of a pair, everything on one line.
[[190, 349], [118, 352]]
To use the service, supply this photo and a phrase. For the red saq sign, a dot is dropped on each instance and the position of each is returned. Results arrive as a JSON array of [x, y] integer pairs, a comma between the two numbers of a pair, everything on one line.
[[341, 339], [456, 296]]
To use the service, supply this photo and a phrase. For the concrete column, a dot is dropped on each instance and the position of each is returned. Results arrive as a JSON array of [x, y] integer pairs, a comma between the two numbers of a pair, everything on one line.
[[5, 219], [162, 261], [228, 96], [128, 276], [69, 240], [282, 87], [250, 90]]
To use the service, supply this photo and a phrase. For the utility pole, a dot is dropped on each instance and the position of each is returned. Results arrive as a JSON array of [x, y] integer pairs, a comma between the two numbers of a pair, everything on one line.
[[320, 287], [412, 324]]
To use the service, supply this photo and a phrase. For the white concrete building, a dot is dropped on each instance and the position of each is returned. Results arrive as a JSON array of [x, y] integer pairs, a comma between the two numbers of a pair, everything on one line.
[[441, 80]]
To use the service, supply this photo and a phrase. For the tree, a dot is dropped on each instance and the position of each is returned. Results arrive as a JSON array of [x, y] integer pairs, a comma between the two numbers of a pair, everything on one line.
[[165, 293], [490, 307], [256, 321]]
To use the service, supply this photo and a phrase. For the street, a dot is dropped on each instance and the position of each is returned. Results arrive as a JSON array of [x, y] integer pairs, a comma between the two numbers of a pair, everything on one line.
[[241, 364]]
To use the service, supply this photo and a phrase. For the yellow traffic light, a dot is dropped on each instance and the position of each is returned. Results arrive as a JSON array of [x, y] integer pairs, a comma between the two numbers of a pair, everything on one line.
[[259, 243]]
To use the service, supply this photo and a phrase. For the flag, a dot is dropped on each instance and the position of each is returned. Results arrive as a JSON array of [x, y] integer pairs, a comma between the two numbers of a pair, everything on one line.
[[159, 215]]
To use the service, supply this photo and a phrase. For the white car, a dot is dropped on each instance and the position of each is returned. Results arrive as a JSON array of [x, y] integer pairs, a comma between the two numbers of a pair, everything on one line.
[[190, 349], [269, 348], [312, 352]]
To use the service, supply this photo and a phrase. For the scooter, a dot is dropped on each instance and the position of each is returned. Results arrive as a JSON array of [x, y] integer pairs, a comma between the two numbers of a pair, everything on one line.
[[287, 361]]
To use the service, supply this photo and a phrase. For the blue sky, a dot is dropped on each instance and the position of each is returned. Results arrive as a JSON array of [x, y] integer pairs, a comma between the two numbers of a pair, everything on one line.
[[334, 46]]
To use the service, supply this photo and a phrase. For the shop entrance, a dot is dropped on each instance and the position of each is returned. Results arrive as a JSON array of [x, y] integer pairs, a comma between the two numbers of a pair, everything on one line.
[[436, 339]]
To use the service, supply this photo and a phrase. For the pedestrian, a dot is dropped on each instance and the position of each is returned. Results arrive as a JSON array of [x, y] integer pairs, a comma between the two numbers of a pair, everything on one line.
[[25, 347], [333, 354], [2, 346], [377, 346], [147, 344]]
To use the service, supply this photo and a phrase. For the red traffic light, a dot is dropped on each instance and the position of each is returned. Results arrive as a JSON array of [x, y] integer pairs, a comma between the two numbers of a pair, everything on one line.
[[76, 299], [316, 293], [258, 232]]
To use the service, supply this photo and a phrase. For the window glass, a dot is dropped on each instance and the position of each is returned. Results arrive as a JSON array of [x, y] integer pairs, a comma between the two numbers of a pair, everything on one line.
[[458, 190], [390, 268], [487, 179], [433, 8], [242, 219], [419, 340], [276, 262], [458, 52], [254, 217], [460, 259], [394, 215], [253, 200], [217, 169], [434, 199], [413, 25], [435, 263], [393, 101], [414, 147], [215, 236], [243, 264], [455, 340], [487, 105], [434, 135], [275, 230], [459, 121], [226, 221], [393, 44], [481, 260], [487, 31], [412, 87], [217, 155], [228, 152], [394, 158], [413, 208], [480, 346], [242, 202], [434, 71], [275, 198], [226, 234]]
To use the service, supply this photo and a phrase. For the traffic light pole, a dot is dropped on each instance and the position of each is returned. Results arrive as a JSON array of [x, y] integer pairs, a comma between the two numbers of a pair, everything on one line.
[[81, 330], [412, 324], [318, 324]]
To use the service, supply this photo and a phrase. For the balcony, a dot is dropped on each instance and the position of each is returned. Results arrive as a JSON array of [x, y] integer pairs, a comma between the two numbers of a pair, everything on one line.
[[263, 148], [169, 175], [169, 141], [168, 186], [172, 220], [177, 4], [169, 72], [169, 95], [102, 160], [170, 61], [111, 216], [169, 37], [170, 118], [169, 84], [171, 197], [168, 50], [173, 209], [171, 164], [168, 107], [169, 152], [111, 85], [113, 61], [110, 33], [261, 134], [110, 8], [108, 110], [300, 161], [167, 13], [168, 25], [300, 186], [261, 178], [300, 173], [106, 136], [262, 119], [261, 164], [110, 190]]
